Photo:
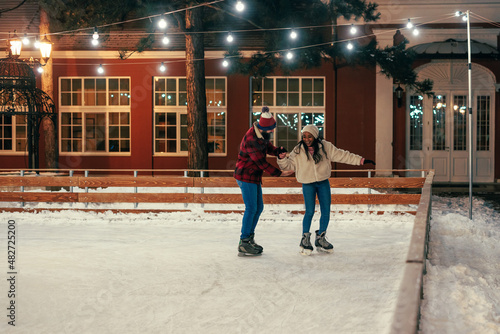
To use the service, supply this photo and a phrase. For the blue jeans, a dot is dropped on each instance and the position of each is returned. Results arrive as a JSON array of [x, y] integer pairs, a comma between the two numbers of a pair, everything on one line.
[[254, 205], [310, 190]]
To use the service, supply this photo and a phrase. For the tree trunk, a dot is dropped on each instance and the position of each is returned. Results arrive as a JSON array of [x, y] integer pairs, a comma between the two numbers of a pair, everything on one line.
[[196, 98], [49, 130]]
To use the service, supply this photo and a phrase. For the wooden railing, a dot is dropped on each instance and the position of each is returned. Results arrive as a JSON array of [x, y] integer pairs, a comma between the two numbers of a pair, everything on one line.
[[76, 185], [407, 314], [37, 188]]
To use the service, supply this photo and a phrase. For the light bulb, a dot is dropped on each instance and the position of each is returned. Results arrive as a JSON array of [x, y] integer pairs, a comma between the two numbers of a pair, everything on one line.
[[225, 63], [95, 42], [165, 39], [416, 32], [230, 38], [353, 30], [350, 46], [40, 69], [162, 67], [162, 23], [95, 35], [289, 55], [409, 25], [26, 40], [100, 69], [240, 6], [293, 34]]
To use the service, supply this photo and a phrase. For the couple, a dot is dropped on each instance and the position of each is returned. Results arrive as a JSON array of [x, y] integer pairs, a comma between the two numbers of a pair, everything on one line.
[[310, 160]]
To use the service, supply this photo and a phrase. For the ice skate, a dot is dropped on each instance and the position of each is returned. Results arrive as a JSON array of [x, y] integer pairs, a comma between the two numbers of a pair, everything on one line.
[[253, 243], [322, 245], [305, 244], [246, 248]]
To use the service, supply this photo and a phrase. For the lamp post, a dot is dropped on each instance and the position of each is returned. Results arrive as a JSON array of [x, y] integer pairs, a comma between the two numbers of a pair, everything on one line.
[[469, 65]]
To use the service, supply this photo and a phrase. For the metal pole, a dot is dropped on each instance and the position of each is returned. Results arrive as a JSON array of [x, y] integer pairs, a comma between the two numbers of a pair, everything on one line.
[[470, 113]]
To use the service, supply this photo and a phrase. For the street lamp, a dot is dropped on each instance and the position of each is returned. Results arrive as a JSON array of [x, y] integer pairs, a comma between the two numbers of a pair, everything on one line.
[[45, 48], [15, 46]]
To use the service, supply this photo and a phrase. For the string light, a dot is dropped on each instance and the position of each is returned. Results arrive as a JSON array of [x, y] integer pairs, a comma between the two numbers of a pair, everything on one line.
[[409, 25], [293, 34], [95, 37], [37, 43], [162, 23], [350, 46], [229, 38], [100, 69], [353, 29], [289, 55], [162, 67], [240, 6], [225, 63], [40, 69], [165, 39], [415, 32], [26, 40]]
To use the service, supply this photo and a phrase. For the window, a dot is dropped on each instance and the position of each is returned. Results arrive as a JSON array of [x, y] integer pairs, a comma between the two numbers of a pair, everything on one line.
[[439, 123], [416, 122], [483, 123], [170, 119], [298, 101], [460, 123], [13, 133], [95, 115]]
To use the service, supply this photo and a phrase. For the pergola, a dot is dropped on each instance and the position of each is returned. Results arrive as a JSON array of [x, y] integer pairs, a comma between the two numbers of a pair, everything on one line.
[[22, 100]]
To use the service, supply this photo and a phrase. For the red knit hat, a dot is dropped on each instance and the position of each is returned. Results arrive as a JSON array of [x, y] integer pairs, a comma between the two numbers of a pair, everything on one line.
[[266, 121]]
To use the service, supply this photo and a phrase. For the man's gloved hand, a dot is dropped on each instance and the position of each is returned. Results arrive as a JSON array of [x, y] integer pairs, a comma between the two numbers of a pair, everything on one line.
[[281, 150], [369, 162]]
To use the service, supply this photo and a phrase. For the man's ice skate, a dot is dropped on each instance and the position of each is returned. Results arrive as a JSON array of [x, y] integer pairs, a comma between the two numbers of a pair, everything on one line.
[[252, 241], [305, 244], [322, 245], [246, 248]]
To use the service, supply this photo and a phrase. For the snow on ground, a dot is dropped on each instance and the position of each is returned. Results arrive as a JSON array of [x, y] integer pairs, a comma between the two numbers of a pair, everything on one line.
[[178, 273]]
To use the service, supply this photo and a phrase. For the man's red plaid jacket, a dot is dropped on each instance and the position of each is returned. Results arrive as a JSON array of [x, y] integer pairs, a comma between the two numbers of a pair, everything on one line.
[[252, 161]]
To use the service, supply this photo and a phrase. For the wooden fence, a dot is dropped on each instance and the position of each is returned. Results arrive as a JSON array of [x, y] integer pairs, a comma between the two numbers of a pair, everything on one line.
[[83, 188]]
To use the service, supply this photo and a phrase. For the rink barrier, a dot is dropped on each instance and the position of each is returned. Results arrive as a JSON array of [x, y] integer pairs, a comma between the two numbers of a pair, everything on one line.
[[39, 188], [45, 183], [407, 313]]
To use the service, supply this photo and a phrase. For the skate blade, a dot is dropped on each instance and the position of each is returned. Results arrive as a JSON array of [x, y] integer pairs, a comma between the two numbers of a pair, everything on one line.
[[243, 254], [305, 252], [323, 250]]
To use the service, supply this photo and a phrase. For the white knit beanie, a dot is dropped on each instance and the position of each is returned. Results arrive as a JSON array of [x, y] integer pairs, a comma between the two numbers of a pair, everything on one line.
[[312, 129]]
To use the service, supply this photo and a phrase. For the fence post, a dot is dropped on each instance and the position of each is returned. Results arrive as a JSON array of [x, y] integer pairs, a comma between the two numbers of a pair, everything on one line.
[[22, 188], [71, 187], [86, 188], [185, 188], [202, 188], [135, 190]]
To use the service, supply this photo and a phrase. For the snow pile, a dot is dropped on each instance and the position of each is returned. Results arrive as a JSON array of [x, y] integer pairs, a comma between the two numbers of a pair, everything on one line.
[[462, 285]]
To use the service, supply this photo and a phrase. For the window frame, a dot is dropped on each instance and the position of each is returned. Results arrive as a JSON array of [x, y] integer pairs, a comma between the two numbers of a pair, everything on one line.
[[181, 110], [107, 110]]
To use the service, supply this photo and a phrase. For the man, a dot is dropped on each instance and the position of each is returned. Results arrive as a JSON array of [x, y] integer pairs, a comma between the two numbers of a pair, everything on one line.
[[250, 166]]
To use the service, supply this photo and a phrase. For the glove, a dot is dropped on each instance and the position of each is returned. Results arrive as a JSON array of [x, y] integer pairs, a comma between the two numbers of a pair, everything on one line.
[[280, 150], [369, 162]]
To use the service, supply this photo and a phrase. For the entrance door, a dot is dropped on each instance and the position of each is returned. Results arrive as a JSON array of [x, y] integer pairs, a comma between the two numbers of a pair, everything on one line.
[[437, 131]]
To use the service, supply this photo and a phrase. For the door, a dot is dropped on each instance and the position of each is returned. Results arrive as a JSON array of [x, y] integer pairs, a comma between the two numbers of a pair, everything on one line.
[[438, 136]]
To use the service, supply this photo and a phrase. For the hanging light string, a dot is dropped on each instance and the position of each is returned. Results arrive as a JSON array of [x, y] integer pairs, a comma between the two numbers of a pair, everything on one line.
[[484, 19], [439, 19], [389, 31]]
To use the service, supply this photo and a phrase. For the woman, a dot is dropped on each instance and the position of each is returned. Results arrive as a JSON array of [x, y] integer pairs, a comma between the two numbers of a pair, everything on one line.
[[251, 164], [312, 161]]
